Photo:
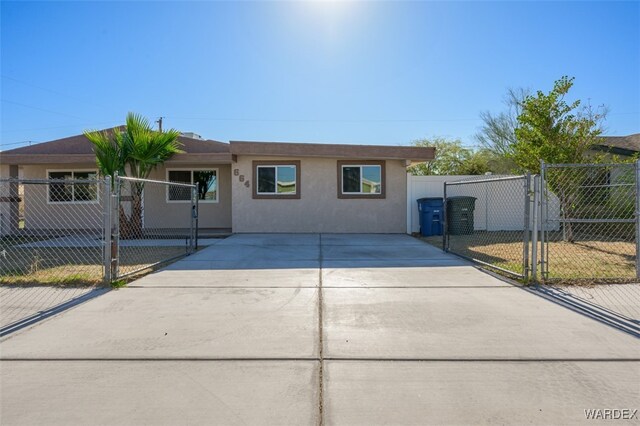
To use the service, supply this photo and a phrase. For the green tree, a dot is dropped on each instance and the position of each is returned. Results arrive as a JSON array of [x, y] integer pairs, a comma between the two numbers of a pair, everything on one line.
[[453, 158], [556, 131], [133, 151], [450, 155], [481, 162]]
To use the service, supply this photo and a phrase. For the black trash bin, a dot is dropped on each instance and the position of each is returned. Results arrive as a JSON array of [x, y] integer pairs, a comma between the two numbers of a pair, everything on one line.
[[430, 209], [460, 215]]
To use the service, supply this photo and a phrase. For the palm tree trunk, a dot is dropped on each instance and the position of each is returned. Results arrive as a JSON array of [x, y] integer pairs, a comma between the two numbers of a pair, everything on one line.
[[131, 225], [136, 216]]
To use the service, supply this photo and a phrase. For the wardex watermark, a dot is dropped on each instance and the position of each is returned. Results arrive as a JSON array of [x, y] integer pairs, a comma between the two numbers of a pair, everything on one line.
[[611, 414]]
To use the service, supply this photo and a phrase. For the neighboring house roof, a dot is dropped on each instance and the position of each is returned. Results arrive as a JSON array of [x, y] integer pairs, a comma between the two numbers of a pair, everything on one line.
[[379, 152], [78, 149], [620, 145]]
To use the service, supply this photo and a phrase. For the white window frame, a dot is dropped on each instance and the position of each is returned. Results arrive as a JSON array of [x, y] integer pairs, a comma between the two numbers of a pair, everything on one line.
[[73, 172], [271, 166], [360, 166], [197, 169]]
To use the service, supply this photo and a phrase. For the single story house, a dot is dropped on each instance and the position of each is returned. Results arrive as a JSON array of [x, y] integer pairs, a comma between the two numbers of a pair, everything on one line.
[[621, 146], [245, 186]]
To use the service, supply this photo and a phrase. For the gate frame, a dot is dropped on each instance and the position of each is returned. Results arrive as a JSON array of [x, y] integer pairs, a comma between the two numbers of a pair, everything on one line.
[[193, 234], [526, 228], [637, 176], [107, 224]]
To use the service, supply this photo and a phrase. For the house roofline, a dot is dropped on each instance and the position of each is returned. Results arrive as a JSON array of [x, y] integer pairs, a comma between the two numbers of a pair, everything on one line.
[[288, 149], [75, 149], [614, 150], [28, 159], [621, 145], [34, 159]]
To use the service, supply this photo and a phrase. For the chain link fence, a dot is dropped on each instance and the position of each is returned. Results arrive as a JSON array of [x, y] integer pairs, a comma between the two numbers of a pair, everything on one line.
[[487, 220], [146, 232], [574, 223], [64, 237], [52, 231], [589, 222]]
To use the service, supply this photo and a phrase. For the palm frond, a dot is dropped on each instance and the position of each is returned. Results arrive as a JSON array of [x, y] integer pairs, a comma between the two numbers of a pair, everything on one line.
[[108, 152], [139, 147]]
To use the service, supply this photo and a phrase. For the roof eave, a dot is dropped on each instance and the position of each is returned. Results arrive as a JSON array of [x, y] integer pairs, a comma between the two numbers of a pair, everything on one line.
[[615, 150], [373, 152], [186, 158], [28, 159], [33, 159]]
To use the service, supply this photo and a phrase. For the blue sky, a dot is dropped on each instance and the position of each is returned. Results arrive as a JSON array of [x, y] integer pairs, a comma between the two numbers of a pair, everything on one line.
[[335, 72]]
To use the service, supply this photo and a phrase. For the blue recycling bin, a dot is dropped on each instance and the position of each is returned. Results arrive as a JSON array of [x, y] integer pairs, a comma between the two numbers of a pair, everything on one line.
[[431, 209]]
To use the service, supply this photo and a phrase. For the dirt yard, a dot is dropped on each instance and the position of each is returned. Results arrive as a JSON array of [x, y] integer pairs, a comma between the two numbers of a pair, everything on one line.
[[589, 260], [65, 266]]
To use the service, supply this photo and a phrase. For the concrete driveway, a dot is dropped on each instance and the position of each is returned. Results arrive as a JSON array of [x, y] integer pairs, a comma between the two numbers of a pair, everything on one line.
[[307, 329]]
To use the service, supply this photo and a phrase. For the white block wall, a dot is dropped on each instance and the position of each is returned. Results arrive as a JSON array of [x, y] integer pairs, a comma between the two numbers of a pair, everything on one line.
[[499, 205]]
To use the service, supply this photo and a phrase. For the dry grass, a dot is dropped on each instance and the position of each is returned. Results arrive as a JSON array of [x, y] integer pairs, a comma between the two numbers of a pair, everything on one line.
[[585, 261], [608, 260], [72, 266]]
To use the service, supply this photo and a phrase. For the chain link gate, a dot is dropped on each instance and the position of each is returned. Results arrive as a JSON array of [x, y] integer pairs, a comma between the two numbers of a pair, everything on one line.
[[589, 217], [488, 221], [144, 233]]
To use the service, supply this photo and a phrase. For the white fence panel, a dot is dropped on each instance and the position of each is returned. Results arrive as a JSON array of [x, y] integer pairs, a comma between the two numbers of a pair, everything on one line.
[[508, 219], [420, 187]]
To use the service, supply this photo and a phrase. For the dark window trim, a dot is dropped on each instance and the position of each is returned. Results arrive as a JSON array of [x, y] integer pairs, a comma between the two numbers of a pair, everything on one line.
[[254, 173], [191, 171], [383, 178]]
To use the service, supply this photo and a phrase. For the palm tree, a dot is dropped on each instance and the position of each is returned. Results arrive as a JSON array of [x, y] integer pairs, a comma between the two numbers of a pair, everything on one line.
[[133, 151]]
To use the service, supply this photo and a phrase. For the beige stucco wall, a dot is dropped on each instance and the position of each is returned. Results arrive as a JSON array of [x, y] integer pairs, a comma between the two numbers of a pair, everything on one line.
[[5, 207], [39, 214], [158, 213], [4, 171], [319, 209]]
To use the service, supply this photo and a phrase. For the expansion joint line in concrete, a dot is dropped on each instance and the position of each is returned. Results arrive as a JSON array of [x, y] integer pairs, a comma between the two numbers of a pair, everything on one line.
[[320, 339], [330, 359]]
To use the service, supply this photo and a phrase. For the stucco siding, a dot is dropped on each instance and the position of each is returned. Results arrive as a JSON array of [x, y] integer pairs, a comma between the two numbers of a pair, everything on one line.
[[39, 214], [4, 171], [319, 209], [160, 213], [8, 210]]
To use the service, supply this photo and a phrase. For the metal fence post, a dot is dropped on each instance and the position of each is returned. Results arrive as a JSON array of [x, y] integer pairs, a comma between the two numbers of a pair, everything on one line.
[[534, 233], [115, 239], [194, 218], [445, 223], [637, 177], [526, 229], [543, 218], [106, 223]]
